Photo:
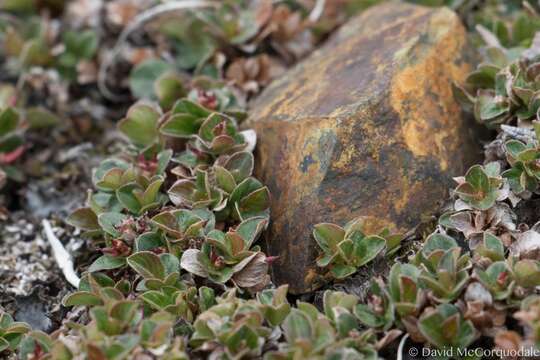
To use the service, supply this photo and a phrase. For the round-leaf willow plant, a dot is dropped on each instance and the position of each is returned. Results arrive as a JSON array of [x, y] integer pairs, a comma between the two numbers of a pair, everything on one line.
[[212, 213]]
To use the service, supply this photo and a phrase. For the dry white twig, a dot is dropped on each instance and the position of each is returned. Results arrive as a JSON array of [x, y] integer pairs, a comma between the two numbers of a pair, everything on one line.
[[317, 11], [530, 9], [515, 132], [137, 22], [250, 136], [62, 257], [489, 38], [401, 346]]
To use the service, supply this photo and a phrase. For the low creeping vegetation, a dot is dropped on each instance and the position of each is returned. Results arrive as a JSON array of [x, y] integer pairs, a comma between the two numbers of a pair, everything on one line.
[[502, 89], [177, 214], [10, 144], [15, 119], [347, 249], [211, 212], [226, 327]]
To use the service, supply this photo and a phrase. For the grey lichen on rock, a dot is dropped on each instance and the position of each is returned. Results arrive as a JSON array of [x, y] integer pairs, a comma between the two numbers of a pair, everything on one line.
[[367, 125]]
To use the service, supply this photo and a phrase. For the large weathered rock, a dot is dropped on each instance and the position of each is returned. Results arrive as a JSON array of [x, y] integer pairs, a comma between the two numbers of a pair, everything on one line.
[[367, 125]]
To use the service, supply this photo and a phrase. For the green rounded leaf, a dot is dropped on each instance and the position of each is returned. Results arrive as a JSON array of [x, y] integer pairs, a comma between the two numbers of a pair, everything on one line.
[[140, 124], [107, 262], [181, 126], [83, 298], [297, 326], [84, 218], [144, 75], [147, 264], [148, 241], [39, 118], [9, 119], [109, 222], [328, 236]]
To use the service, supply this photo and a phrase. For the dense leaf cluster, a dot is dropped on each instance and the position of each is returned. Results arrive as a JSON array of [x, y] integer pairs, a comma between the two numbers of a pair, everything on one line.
[[176, 218]]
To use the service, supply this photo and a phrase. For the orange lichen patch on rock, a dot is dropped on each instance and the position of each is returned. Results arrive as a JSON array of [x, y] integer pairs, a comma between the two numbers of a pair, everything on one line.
[[311, 277], [366, 126], [374, 225], [431, 72]]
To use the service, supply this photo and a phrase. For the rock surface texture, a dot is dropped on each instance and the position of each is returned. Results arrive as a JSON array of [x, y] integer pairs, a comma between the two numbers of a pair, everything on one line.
[[367, 125]]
